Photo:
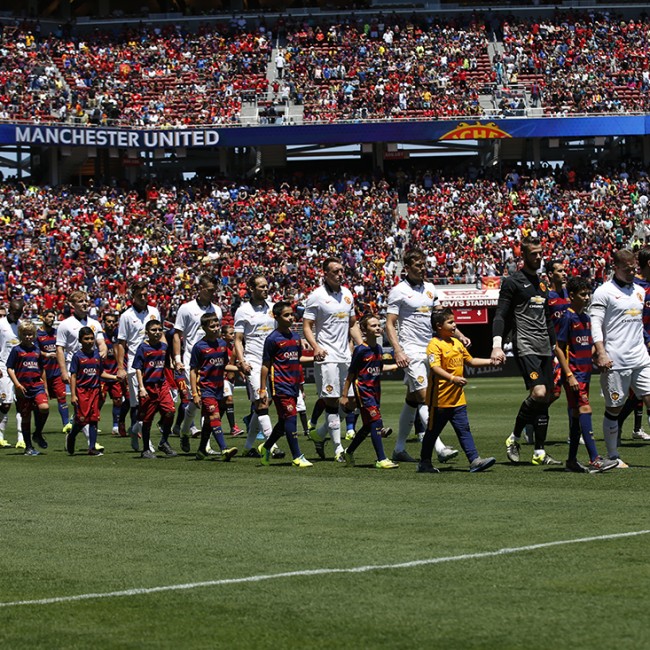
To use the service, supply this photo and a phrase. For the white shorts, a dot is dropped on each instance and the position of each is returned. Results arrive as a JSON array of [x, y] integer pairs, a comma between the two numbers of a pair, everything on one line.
[[253, 382], [330, 378], [301, 407], [6, 389], [132, 380], [227, 388], [616, 384], [416, 374]]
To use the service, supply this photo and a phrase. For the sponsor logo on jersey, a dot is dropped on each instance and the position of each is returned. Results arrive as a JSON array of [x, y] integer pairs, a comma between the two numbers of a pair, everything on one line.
[[538, 300], [632, 312]]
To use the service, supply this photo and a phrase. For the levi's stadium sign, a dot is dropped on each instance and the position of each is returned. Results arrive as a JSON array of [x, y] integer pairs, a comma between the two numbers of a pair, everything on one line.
[[465, 296]]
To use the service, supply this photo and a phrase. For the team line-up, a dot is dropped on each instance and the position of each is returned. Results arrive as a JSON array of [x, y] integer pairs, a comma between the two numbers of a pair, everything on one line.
[[557, 334]]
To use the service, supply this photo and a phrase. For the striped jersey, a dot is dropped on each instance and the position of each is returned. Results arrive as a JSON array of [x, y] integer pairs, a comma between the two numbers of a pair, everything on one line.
[[150, 361], [365, 367], [28, 366], [209, 359], [574, 337], [87, 368], [558, 303], [283, 351], [47, 344]]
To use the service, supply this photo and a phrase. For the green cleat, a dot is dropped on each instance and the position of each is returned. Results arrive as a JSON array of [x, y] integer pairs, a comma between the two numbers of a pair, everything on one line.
[[67, 428], [301, 462], [512, 449], [544, 459], [386, 464], [265, 455], [21, 445], [227, 454]]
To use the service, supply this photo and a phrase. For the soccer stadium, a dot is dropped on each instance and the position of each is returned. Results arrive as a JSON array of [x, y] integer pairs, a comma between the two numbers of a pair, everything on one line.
[[255, 254]]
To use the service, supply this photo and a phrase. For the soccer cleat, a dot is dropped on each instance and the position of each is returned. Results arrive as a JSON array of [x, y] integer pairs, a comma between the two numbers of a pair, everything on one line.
[[319, 443], [265, 454], [301, 462], [30, 451], [67, 428], [121, 429], [21, 445], [512, 449], [40, 441], [227, 454], [310, 428], [195, 432], [600, 464], [620, 463], [402, 457], [251, 453], [425, 467], [4, 443], [339, 456], [640, 434], [148, 454], [277, 453], [201, 455], [575, 466], [99, 447], [166, 449], [185, 443], [386, 464], [115, 431], [69, 444], [384, 432], [544, 459], [349, 434], [95, 452], [236, 431], [447, 454], [349, 458], [481, 464], [212, 452]]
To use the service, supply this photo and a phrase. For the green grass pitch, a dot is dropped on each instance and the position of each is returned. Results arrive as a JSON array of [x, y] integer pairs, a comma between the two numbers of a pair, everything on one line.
[[82, 525]]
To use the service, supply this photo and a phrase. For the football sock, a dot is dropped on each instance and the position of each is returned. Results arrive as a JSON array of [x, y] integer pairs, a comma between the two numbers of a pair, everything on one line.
[[610, 433], [134, 415], [638, 417], [64, 412], [146, 435], [166, 427], [265, 422], [180, 414], [630, 405], [217, 433], [377, 442], [116, 414], [253, 428], [190, 412], [206, 431], [540, 424], [350, 421], [124, 410], [420, 425], [334, 427], [574, 439], [19, 427], [40, 418], [317, 411], [524, 417], [276, 434], [303, 419], [4, 417], [586, 429], [291, 433], [92, 435], [230, 414], [406, 420]]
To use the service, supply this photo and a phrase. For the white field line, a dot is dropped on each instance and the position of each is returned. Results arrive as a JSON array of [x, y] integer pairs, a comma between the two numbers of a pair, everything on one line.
[[320, 572]]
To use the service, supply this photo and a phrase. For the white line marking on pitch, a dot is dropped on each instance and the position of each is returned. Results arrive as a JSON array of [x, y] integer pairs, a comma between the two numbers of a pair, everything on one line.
[[320, 572]]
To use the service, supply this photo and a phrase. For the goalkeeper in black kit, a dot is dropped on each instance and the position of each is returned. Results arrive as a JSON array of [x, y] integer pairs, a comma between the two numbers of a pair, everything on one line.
[[523, 309]]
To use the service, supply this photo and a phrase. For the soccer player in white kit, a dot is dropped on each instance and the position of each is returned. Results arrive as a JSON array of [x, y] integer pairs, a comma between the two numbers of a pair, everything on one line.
[[621, 354], [254, 321], [67, 338], [8, 340], [410, 304], [130, 334], [188, 326], [328, 323]]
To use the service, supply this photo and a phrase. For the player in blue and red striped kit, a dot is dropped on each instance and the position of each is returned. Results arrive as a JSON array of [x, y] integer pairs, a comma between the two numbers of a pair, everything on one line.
[[574, 352], [26, 370], [114, 388], [365, 376], [85, 374], [281, 364], [208, 364], [46, 341], [154, 391]]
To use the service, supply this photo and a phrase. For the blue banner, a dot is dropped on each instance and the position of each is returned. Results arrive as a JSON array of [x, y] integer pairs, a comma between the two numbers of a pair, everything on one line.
[[347, 133]]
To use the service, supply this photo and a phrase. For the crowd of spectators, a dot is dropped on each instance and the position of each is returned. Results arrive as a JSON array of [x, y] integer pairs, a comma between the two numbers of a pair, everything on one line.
[[55, 239], [350, 68], [584, 63]]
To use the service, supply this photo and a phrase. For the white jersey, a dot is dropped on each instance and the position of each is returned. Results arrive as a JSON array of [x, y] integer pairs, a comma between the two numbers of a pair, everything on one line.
[[331, 313], [132, 329], [67, 335], [413, 306], [617, 320], [255, 323], [8, 339], [188, 323]]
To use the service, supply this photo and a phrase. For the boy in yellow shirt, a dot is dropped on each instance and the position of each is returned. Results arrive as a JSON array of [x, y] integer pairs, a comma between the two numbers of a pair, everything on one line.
[[446, 397]]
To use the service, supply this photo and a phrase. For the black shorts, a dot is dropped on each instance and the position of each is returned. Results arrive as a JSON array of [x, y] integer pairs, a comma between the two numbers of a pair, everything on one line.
[[536, 371]]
